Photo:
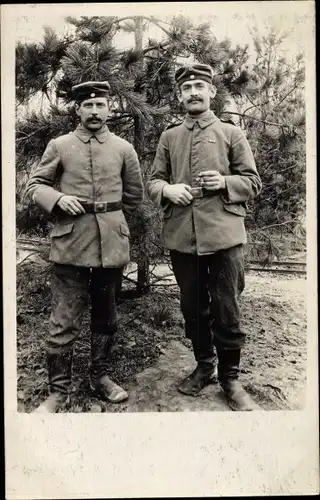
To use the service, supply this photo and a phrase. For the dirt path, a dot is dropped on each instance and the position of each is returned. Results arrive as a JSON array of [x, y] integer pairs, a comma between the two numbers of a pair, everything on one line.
[[277, 349], [152, 354], [274, 370], [155, 388]]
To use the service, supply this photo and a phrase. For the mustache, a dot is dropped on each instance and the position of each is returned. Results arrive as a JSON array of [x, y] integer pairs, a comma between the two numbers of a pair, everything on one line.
[[94, 119], [195, 99]]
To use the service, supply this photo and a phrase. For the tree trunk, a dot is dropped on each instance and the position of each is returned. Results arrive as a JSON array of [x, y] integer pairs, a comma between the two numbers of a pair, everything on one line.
[[143, 267], [138, 32], [143, 264], [144, 260]]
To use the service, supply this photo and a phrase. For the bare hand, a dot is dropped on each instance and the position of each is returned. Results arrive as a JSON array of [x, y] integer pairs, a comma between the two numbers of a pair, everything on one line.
[[211, 180], [179, 194], [71, 205]]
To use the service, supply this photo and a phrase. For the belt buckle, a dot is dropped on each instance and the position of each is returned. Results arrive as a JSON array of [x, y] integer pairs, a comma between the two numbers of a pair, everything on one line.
[[100, 206], [197, 192]]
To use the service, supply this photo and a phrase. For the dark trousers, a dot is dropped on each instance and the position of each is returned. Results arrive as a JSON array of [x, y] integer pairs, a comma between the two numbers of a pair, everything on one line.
[[71, 287], [210, 287]]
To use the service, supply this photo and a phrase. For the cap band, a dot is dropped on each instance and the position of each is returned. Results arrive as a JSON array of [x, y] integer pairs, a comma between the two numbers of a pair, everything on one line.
[[89, 90], [194, 72]]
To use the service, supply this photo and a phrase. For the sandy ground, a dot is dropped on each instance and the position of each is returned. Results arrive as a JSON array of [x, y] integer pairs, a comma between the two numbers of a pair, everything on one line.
[[274, 359], [152, 354], [276, 351]]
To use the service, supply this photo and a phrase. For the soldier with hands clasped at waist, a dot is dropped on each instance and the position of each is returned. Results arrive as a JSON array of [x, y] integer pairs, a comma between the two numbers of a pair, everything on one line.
[[202, 176], [100, 182]]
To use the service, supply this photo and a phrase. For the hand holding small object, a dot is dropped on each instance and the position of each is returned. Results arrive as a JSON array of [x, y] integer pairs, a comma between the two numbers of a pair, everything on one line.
[[179, 194], [211, 180]]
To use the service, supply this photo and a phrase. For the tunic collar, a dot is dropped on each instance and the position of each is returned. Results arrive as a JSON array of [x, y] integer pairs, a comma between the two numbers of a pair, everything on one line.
[[203, 120], [85, 135]]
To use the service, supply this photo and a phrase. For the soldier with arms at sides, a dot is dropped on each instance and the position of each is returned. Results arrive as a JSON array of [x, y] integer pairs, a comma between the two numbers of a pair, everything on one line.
[[202, 176], [100, 182]]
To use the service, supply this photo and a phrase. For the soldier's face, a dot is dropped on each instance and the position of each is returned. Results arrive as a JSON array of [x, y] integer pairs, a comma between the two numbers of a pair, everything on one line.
[[93, 112], [195, 96]]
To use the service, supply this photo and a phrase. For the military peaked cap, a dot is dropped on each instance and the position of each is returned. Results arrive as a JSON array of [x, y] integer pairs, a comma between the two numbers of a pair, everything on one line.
[[88, 90], [194, 72]]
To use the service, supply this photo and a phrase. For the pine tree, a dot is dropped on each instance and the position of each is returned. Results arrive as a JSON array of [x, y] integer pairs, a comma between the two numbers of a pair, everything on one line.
[[266, 99], [271, 110], [275, 101], [143, 98]]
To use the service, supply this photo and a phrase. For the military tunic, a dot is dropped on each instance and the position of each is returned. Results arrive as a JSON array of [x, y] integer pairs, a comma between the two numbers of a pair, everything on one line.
[[94, 167], [213, 222]]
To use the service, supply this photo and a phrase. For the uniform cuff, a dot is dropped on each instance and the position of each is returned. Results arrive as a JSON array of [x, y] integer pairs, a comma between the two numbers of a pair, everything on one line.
[[47, 198]]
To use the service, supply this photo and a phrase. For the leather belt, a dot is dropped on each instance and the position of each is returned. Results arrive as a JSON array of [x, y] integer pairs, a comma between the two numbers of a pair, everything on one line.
[[102, 207], [200, 192]]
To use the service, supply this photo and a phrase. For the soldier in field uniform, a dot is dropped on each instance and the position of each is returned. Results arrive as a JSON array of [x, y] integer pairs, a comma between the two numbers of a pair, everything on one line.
[[100, 181], [202, 176]]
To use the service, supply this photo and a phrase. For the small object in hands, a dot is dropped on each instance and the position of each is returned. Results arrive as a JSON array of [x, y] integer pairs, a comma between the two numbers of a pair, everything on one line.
[[212, 180], [197, 192]]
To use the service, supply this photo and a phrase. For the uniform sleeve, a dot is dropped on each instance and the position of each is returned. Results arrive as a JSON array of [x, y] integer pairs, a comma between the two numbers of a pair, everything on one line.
[[133, 192], [160, 172], [244, 182], [39, 188]]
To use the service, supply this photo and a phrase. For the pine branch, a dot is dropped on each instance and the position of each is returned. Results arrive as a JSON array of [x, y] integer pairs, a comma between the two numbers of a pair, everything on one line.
[[285, 97], [257, 119], [160, 45], [275, 225], [255, 105], [35, 132], [151, 19]]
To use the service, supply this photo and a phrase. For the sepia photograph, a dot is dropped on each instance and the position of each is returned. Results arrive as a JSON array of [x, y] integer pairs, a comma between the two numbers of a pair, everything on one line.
[[161, 213], [161, 197]]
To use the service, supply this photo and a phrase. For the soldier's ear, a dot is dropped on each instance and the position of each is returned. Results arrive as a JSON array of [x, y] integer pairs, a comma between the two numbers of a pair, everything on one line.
[[77, 108], [213, 91], [179, 96]]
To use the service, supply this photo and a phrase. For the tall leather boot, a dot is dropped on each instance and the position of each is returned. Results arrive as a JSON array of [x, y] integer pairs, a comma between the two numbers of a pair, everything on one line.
[[228, 373], [100, 383], [206, 371], [60, 374]]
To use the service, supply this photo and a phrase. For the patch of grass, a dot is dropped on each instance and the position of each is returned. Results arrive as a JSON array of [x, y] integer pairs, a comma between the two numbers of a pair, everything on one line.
[[146, 325]]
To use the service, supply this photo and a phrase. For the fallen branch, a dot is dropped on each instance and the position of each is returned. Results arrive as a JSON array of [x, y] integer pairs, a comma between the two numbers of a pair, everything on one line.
[[153, 283], [130, 280], [164, 284], [26, 258]]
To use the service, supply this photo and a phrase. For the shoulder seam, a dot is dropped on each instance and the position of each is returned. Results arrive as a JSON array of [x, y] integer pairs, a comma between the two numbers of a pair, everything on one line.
[[228, 121]]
